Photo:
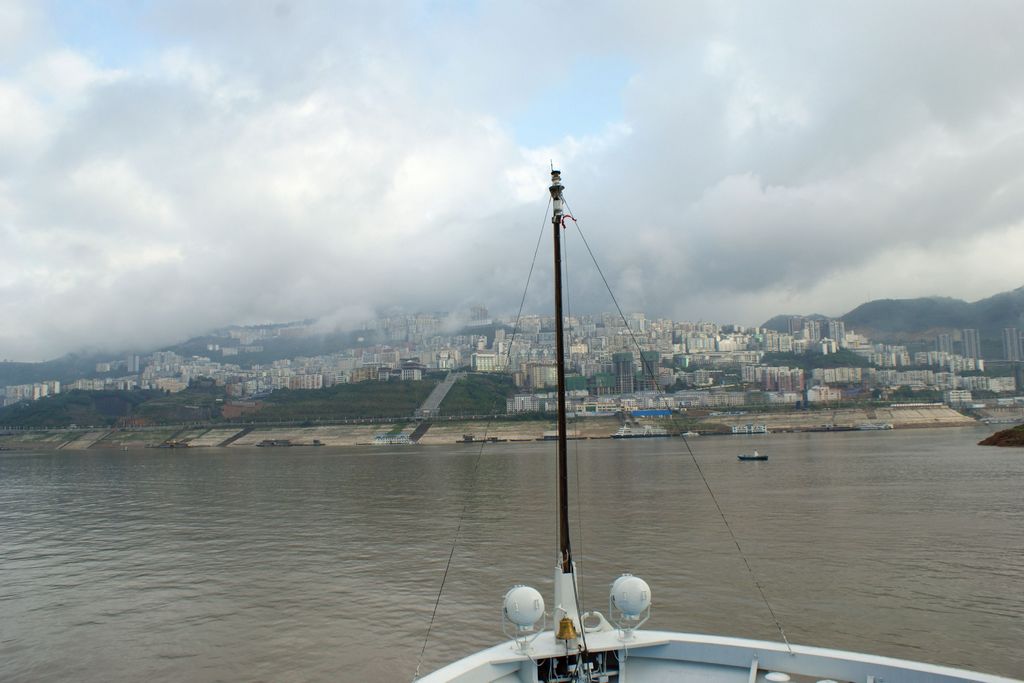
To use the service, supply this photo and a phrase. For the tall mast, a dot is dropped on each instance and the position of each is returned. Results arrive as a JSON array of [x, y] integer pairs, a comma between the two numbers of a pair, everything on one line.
[[564, 550]]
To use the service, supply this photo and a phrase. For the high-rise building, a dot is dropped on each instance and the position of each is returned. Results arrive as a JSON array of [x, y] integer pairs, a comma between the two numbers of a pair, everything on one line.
[[542, 374], [812, 330], [1011, 343], [478, 317], [625, 374], [482, 361], [837, 331], [648, 371], [944, 343], [132, 362], [972, 344]]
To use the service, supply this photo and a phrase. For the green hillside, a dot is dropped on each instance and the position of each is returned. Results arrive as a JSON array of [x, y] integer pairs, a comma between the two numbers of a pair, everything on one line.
[[478, 394], [809, 361], [82, 408], [202, 403], [346, 401]]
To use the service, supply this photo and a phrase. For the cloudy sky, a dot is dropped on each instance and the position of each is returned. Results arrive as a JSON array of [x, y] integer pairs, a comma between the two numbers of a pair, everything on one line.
[[171, 167]]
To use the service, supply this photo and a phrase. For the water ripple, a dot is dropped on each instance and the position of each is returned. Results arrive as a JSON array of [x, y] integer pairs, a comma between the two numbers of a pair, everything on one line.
[[324, 564]]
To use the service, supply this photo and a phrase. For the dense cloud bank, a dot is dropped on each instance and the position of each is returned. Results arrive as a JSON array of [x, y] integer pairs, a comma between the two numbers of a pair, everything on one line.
[[190, 165]]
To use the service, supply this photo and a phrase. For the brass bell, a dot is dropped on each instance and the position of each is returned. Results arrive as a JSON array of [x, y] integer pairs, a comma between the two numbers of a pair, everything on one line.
[[566, 629]]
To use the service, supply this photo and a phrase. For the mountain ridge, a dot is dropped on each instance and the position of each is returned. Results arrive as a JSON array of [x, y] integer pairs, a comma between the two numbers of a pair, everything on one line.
[[924, 317], [886, 320]]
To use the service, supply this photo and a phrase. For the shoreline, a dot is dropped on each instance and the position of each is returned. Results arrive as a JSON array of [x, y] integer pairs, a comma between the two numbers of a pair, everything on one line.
[[467, 432]]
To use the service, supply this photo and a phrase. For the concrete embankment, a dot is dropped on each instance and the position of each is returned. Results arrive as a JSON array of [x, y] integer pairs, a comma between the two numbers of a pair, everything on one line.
[[845, 418], [446, 431]]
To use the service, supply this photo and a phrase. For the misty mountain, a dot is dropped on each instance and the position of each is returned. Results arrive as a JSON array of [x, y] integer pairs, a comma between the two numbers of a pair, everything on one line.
[[73, 366], [276, 348], [312, 344], [921, 318], [780, 323], [891, 320], [67, 368], [885, 318], [916, 318]]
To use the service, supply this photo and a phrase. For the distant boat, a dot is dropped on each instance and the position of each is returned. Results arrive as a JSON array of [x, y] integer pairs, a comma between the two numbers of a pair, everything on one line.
[[872, 426], [285, 443], [391, 440], [648, 432], [750, 428], [274, 443], [829, 427], [751, 456]]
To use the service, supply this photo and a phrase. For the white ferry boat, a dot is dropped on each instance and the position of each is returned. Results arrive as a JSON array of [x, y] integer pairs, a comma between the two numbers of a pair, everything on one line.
[[647, 432], [391, 440], [750, 429]]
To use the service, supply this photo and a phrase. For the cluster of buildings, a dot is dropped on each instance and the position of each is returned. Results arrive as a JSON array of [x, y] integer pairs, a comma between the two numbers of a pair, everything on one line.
[[641, 364], [614, 363], [29, 392]]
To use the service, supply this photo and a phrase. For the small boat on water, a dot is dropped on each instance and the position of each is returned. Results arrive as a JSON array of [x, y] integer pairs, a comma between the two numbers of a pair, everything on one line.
[[752, 456]]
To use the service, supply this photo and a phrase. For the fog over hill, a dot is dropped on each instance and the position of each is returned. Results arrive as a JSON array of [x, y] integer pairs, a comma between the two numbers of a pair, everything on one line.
[[906, 319]]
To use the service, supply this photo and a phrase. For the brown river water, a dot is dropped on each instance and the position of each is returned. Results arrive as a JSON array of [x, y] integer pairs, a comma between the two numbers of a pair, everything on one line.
[[321, 564]]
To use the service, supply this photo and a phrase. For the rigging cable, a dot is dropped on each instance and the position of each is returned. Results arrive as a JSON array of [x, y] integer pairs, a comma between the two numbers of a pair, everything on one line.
[[645, 363], [522, 301], [479, 457], [735, 540]]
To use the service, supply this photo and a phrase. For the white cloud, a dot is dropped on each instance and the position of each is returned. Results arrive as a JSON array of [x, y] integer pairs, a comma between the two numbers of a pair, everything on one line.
[[942, 269], [23, 124], [324, 160], [62, 75], [18, 23]]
